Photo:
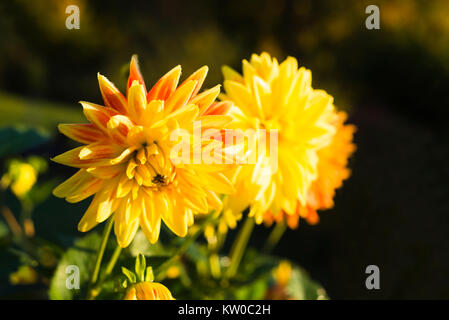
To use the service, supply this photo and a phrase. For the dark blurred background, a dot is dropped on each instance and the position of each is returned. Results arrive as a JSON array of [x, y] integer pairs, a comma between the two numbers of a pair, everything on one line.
[[394, 82]]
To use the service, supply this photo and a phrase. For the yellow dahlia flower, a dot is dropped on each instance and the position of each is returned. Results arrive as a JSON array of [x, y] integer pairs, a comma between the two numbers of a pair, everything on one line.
[[140, 285], [332, 171], [126, 161], [280, 98], [148, 291]]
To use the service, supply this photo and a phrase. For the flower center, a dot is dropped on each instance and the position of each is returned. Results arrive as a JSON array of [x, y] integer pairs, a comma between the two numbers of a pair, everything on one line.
[[150, 167]]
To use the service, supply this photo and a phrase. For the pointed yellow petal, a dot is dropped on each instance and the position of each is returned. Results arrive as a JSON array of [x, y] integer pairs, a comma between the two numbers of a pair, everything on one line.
[[98, 115], [231, 74], [181, 96], [85, 189], [165, 87], [83, 132], [219, 108], [100, 150], [184, 115], [135, 74], [214, 121], [71, 158], [137, 101], [106, 172], [99, 210], [125, 228], [124, 187], [65, 188], [112, 97], [118, 128], [206, 98], [241, 95], [217, 182], [198, 76], [150, 220]]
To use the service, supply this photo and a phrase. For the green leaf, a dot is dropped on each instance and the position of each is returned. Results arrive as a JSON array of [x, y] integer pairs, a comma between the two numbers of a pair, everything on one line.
[[82, 256], [259, 268], [254, 291], [41, 191], [4, 230], [149, 276], [16, 140], [302, 287], [129, 274], [140, 267]]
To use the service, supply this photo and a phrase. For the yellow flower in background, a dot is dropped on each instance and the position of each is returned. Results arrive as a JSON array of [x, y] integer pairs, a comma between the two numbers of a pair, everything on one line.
[[332, 171], [126, 161], [173, 272], [226, 220], [282, 273], [21, 177], [24, 275], [148, 291], [280, 97], [25, 179]]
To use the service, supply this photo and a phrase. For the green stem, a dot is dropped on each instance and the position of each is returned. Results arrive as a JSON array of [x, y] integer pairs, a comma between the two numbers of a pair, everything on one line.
[[100, 253], [159, 272], [113, 261], [239, 246], [274, 237], [95, 290]]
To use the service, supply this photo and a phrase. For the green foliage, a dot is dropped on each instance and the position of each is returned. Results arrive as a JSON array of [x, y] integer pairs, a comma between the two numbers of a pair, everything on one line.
[[302, 287], [141, 245], [4, 231], [16, 140], [254, 279], [82, 255], [129, 274], [258, 269], [42, 114], [140, 267]]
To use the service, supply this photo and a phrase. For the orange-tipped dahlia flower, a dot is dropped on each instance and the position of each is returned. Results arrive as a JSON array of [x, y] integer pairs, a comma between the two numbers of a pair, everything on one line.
[[126, 159], [280, 97], [148, 291]]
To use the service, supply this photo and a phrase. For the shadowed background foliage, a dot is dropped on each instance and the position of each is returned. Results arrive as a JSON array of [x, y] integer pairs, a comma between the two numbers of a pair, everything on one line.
[[394, 82]]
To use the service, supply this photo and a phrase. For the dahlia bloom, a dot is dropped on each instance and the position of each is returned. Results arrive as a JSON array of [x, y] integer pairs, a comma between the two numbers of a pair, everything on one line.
[[126, 160], [278, 97], [148, 291], [332, 171]]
